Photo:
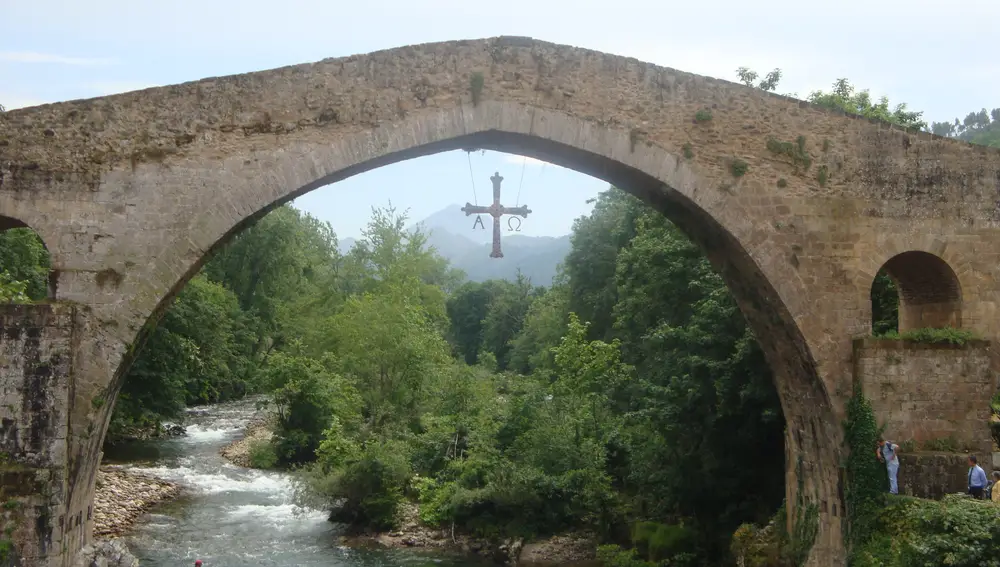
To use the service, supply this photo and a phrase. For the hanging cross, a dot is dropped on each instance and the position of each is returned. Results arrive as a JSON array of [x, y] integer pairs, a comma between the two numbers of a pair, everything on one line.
[[496, 210]]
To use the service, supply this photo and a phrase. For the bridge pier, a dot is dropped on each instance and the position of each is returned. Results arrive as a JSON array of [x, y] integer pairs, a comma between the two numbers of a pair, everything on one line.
[[50, 426]]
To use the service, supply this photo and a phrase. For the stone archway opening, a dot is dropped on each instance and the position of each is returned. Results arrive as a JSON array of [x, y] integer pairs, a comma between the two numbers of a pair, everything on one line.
[[812, 438], [915, 290], [25, 264]]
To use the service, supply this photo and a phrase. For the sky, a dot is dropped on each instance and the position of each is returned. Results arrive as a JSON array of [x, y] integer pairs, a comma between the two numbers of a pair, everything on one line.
[[53, 50]]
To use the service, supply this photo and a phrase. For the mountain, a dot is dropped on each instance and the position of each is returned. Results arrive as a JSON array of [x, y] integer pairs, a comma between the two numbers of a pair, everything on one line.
[[450, 232]]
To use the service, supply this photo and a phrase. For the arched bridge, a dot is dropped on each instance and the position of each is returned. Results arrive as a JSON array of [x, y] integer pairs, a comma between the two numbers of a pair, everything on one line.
[[798, 207]]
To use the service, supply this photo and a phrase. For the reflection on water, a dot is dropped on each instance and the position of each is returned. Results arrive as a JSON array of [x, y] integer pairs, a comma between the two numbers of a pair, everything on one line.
[[233, 516]]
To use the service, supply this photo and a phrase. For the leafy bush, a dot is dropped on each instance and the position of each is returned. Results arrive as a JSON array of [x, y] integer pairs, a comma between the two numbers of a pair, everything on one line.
[[615, 556], [262, 454], [366, 487], [308, 396], [957, 531], [867, 479], [947, 335], [658, 542]]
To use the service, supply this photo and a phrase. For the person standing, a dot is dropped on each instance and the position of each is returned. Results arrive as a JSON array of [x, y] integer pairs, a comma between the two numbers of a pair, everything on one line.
[[887, 453], [995, 495], [977, 478]]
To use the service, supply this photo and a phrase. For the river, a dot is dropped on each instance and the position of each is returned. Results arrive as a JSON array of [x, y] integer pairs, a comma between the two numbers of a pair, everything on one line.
[[235, 517]]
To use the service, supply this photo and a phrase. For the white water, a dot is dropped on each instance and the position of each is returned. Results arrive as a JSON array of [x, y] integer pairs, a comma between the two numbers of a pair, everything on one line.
[[233, 516]]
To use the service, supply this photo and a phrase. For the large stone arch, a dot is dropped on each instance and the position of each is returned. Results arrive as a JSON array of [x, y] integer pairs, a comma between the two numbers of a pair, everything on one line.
[[132, 191]]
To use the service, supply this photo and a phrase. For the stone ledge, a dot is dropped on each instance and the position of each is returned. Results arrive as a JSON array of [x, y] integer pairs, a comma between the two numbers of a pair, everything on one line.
[[865, 343]]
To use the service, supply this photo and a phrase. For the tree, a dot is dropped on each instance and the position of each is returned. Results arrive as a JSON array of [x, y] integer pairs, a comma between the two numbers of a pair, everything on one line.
[[505, 317], [199, 352], [386, 344], [590, 264], [768, 83], [467, 306], [24, 258], [844, 97]]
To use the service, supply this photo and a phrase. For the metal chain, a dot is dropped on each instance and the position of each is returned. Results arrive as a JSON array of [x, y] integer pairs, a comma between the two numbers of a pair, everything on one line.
[[475, 199], [524, 161]]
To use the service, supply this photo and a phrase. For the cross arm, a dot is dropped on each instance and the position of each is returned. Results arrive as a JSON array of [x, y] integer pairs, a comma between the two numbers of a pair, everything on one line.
[[521, 211], [470, 209]]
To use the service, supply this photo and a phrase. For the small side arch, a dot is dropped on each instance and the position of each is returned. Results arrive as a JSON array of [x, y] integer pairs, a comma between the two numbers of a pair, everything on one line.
[[927, 293], [25, 258]]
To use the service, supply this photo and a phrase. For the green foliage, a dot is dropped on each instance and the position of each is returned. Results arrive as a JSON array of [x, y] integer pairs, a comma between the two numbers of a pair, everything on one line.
[[476, 82], [782, 183], [658, 542], [738, 167], [13, 291], [795, 150], [703, 115], [687, 151], [24, 266], [768, 84], [368, 480], [956, 531], [615, 556], [306, 393], [866, 478], [263, 455], [822, 174], [843, 96], [885, 305], [200, 352], [929, 335]]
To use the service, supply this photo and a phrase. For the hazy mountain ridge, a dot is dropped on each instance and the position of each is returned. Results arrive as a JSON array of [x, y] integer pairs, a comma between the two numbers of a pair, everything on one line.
[[450, 232]]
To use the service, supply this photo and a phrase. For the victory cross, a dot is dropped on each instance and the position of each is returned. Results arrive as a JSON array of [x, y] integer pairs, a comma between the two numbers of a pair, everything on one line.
[[496, 210]]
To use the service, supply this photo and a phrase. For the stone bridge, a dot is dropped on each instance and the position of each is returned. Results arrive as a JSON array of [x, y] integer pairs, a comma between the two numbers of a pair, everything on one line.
[[798, 207]]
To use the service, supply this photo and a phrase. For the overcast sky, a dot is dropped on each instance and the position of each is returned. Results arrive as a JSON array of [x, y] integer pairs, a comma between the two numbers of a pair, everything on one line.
[[914, 51]]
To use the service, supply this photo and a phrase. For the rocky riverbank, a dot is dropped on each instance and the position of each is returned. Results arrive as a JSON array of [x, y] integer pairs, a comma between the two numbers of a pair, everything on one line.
[[258, 430], [412, 533], [122, 496]]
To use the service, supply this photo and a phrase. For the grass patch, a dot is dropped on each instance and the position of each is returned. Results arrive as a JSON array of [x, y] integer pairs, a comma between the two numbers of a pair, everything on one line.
[[794, 150], [947, 335], [738, 167], [703, 115]]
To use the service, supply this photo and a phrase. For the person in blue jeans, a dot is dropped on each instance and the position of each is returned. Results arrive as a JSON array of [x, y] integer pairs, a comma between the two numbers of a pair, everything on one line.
[[887, 453], [977, 478]]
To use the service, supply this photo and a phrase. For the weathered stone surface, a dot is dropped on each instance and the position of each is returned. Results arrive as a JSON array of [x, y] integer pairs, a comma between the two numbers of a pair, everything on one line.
[[929, 394], [130, 192], [121, 497], [106, 553], [933, 475]]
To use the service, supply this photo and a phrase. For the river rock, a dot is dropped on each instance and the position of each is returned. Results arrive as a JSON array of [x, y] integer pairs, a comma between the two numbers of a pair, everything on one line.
[[106, 553], [411, 532], [558, 549], [122, 496], [257, 430]]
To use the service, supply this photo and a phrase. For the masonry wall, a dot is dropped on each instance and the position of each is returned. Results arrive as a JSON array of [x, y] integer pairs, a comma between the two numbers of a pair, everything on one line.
[[36, 353], [930, 397], [933, 475]]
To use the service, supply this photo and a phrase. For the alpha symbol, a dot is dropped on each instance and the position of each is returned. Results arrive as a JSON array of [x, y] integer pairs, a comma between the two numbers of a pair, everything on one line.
[[496, 210], [479, 221]]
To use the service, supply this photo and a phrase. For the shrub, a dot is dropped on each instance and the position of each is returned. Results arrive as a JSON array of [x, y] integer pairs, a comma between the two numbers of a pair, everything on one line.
[[658, 542], [368, 487], [867, 479], [615, 556], [947, 335], [956, 531], [262, 454]]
